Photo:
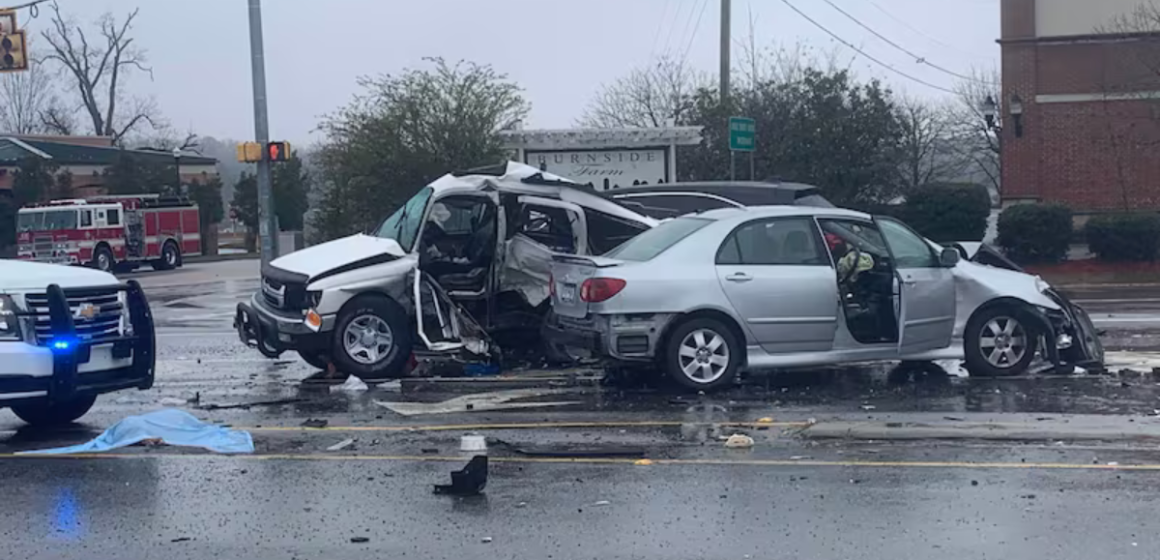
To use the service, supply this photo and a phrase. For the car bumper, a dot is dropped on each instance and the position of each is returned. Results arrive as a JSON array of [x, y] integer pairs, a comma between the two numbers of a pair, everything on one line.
[[620, 337], [82, 368], [278, 331]]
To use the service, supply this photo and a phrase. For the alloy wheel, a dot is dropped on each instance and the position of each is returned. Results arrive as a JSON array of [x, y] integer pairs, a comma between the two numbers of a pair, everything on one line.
[[703, 356]]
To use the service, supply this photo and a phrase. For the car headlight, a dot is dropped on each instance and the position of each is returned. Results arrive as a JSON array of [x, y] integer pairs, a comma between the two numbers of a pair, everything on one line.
[[9, 322]]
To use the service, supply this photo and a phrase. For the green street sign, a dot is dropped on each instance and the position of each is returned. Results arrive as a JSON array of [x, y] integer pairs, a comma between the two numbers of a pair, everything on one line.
[[742, 134]]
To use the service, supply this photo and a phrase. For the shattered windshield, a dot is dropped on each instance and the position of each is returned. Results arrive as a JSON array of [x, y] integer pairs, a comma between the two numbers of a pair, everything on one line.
[[403, 225]]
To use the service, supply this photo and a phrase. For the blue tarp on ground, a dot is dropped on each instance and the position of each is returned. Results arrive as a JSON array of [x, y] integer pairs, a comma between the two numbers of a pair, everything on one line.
[[174, 427]]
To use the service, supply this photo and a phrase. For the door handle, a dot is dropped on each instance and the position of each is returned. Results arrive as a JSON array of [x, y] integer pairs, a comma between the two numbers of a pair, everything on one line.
[[739, 277]]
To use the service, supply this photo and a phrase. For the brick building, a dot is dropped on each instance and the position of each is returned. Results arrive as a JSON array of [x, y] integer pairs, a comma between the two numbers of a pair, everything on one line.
[[87, 157], [1086, 74]]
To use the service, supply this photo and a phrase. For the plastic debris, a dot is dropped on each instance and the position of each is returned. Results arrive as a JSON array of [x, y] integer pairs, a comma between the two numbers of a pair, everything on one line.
[[522, 505], [473, 442], [341, 445], [173, 427], [486, 539], [359, 540], [765, 420], [642, 462], [468, 481], [602, 503], [868, 407], [798, 457], [739, 441]]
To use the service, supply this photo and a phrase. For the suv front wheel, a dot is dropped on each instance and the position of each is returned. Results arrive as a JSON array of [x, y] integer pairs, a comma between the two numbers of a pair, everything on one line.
[[372, 339], [55, 414]]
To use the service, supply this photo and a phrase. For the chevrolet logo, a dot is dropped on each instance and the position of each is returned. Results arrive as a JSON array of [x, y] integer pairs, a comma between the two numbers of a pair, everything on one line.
[[85, 311]]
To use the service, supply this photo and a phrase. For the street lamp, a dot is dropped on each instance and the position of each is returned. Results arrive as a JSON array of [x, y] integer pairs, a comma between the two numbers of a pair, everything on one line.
[[1017, 114], [990, 109], [177, 170]]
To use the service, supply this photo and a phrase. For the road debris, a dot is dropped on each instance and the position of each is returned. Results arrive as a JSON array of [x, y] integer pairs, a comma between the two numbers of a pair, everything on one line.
[[642, 462], [485, 540], [868, 407], [180, 539], [468, 481], [569, 451], [480, 402], [739, 441], [522, 505], [315, 423], [274, 402], [171, 426], [341, 445], [173, 401], [473, 442], [602, 503], [360, 540], [799, 457]]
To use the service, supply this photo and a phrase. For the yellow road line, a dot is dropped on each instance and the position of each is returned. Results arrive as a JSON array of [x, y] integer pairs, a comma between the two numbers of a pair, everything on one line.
[[611, 461], [524, 426]]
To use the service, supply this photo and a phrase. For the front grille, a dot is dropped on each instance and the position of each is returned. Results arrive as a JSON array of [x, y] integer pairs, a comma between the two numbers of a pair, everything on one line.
[[96, 314], [43, 245], [290, 296]]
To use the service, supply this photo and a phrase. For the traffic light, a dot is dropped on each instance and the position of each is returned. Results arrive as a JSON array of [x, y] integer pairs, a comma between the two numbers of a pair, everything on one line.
[[249, 152], [278, 151], [13, 55]]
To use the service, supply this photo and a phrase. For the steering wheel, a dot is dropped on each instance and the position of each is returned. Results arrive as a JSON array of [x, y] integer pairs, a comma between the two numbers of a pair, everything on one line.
[[853, 269]]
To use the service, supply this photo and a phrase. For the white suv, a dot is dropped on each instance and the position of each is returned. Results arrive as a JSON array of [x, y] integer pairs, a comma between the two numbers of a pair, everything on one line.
[[68, 334]]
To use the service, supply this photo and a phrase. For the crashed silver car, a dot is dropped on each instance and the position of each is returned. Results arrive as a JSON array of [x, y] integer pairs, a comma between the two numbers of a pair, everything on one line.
[[460, 266], [706, 295]]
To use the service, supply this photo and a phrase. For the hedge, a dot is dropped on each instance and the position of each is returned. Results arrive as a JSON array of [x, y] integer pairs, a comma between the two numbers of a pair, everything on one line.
[[1124, 237], [1035, 233], [949, 212]]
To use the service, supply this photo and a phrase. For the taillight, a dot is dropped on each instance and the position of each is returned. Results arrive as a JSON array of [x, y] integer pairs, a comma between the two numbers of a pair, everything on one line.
[[596, 290]]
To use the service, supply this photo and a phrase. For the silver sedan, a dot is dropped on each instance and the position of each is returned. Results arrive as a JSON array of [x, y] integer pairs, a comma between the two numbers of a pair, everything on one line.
[[706, 295]]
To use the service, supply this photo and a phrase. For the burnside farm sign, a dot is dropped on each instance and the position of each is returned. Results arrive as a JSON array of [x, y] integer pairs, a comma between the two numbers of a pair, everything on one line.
[[604, 169]]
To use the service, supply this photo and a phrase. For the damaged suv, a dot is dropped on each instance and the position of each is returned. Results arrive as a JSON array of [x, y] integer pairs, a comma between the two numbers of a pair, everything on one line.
[[707, 295], [461, 265]]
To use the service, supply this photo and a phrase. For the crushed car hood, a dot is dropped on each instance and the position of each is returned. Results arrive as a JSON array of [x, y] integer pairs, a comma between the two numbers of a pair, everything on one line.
[[356, 250]]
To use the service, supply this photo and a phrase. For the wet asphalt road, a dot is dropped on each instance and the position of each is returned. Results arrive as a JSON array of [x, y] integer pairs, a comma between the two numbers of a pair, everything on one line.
[[784, 498]]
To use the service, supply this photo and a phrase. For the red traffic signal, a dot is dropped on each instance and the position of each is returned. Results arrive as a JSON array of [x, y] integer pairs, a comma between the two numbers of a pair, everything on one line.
[[278, 151]]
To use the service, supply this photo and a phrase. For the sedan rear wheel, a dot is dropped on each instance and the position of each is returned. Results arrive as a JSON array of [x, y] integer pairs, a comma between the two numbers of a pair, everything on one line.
[[703, 354]]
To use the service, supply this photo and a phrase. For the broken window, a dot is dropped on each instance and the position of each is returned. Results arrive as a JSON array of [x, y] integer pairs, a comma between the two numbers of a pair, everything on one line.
[[606, 232], [548, 226]]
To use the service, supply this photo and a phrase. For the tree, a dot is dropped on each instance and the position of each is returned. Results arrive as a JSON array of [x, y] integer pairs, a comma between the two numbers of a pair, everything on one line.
[[97, 71], [976, 143], [403, 131], [35, 181], [132, 174], [245, 207], [291, 184], [826, 129], [927, 147], [209, 201], [24, 99], [650, 96]]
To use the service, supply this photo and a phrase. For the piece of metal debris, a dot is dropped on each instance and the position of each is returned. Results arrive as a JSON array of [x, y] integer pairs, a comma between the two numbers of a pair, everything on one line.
[[315, 423], [341, 445], [359, 540], [274, 402]]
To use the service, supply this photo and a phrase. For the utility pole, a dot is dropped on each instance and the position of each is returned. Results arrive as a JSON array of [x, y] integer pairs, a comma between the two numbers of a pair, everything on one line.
[[725, 41], [267, 222]]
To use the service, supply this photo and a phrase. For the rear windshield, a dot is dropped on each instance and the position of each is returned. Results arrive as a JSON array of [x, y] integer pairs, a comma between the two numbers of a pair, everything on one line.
[[655, 241]]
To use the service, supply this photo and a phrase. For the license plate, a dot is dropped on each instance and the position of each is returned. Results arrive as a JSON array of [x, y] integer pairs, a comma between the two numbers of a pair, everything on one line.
[[568, 293]]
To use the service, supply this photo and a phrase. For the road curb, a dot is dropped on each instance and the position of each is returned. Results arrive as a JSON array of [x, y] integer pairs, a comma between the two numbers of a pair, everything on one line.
[[989, 431]]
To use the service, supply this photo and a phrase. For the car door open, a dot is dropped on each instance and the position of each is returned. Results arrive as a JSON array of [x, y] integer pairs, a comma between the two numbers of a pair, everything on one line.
[[778, 278], [927, 289]]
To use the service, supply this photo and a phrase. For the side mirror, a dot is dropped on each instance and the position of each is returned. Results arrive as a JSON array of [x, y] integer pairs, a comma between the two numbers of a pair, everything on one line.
[[948, 258]]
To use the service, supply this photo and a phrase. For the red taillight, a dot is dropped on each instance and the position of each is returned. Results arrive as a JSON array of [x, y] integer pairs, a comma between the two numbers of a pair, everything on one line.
[[596, 290]]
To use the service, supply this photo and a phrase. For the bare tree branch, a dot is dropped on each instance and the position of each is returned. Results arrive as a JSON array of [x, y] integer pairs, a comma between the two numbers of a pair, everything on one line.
[[647, 97], [24, 96], [974, 140], [927, 144], [97, 71]]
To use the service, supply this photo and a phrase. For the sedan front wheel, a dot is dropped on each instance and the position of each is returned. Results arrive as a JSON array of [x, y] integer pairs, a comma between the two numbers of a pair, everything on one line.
[[999, 342]]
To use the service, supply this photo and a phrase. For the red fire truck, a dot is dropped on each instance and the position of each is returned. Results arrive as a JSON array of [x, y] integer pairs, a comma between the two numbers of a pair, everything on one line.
[[110, 232]]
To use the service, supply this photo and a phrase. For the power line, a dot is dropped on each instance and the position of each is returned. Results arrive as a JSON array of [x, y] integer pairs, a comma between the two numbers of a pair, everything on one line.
[[918, 59], [676, 17], [863, 53], [660, 27], [919, 32], [696, 28]]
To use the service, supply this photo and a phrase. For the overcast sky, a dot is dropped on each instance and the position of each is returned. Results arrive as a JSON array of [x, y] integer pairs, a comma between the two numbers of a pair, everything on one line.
[[559, 51]]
